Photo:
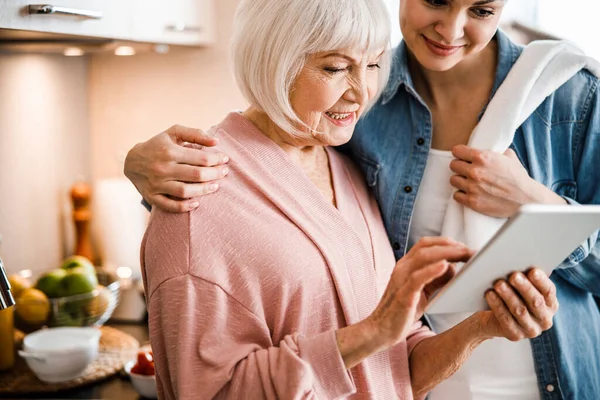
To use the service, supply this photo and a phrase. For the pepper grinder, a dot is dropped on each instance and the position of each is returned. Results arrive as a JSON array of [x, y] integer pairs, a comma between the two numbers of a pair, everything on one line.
[[81, 194]]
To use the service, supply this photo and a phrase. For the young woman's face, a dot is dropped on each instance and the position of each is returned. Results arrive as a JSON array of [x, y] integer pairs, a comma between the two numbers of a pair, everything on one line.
[[442, 33], [332, 91]]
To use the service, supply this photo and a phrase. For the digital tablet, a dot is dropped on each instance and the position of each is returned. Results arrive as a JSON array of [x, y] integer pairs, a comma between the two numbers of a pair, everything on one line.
[[539, 235]]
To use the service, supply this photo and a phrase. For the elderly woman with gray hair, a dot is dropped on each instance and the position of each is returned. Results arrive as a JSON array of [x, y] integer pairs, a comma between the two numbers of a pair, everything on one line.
[[283, 283]]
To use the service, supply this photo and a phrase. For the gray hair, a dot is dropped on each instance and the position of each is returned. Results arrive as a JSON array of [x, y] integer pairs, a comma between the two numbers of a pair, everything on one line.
[[273, 39]]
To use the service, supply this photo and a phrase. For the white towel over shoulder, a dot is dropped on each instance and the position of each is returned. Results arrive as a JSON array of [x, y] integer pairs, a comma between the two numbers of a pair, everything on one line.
[[542, 68]]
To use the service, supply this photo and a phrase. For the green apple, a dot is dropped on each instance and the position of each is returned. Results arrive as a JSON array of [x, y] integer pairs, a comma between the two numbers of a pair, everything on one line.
[[78, 262], [78, 280], [49, 283], [65, 318]]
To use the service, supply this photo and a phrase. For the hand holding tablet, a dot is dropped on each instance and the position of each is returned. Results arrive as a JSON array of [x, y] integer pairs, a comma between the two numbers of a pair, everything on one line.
[[539, 235]]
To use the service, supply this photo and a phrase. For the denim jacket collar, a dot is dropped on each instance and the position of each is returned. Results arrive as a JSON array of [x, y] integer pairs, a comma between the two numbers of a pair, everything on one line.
[[508, 52], [399, 73]]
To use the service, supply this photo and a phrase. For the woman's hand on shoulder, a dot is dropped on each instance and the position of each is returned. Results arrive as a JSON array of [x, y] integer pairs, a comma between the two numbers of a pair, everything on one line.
[[522, 307], [172, 168], [495, 184]]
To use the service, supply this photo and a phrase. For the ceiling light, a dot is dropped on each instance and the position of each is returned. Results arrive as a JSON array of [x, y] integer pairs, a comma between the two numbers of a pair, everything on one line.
[[73, 52], [124, 51]]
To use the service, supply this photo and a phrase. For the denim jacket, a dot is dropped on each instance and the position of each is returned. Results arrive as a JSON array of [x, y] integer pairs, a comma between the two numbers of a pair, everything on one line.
[[559, 145]]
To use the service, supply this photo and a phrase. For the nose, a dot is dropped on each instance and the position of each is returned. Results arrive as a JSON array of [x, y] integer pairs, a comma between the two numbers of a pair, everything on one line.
[[358, 89], [452, 27]]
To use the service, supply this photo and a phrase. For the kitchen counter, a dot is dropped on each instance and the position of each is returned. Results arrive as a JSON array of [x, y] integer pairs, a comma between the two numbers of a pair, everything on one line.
[[117, 387]]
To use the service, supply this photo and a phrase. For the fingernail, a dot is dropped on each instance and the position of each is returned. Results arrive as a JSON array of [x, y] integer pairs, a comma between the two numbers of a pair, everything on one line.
[[519, 278], [225, 171], [492, 297], [537, 274], [502, 287], [225, 159], [213, 187], [194, 205]]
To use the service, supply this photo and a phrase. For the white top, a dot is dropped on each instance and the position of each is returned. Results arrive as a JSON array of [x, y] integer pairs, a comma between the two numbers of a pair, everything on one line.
[[432, 200], [498, 369]]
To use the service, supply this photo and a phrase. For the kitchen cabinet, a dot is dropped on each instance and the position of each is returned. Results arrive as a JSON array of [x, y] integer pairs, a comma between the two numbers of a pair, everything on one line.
[[183, 22], [92, 18]]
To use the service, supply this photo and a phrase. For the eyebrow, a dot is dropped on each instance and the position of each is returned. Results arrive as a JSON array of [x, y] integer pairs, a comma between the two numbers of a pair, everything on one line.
[[484, 2], [340, 55], [352, 60]]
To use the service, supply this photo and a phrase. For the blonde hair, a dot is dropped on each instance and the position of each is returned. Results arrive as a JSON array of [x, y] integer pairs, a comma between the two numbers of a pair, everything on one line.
[[273, 39]]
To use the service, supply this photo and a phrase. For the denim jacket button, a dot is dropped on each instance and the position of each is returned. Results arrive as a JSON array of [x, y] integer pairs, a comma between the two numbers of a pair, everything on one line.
[[407, 189], [420, 141], [550, 388], [396, 246]]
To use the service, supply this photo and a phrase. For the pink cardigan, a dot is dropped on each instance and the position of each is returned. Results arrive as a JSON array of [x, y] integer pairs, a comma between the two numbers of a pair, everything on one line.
[[246, 292]]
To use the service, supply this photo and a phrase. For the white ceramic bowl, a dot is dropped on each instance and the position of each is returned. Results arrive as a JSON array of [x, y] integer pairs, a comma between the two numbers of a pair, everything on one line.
[[60, 354], [145, 385]]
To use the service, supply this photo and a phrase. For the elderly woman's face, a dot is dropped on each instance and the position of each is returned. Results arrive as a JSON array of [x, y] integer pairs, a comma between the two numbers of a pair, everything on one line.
[[332, 91], [441, 33]]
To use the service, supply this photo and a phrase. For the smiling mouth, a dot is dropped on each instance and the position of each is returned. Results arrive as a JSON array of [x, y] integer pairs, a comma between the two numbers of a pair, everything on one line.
[[442, 46], [341, 119], [440, 49], [338, 116]]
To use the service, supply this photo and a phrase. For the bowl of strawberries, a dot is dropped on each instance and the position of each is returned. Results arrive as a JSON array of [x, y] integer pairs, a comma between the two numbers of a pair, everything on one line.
[[142, 375]]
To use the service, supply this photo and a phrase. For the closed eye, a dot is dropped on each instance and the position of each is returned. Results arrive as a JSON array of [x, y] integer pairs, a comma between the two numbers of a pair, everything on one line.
[[332, 70]]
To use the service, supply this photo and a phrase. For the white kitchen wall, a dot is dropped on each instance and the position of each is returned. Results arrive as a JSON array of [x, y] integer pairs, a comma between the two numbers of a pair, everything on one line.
[[394, 10], [523, 11], [575, 20], [44, 148]]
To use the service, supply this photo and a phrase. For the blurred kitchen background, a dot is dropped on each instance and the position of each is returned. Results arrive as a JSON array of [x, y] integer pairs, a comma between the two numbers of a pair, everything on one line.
[[70, 108]]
